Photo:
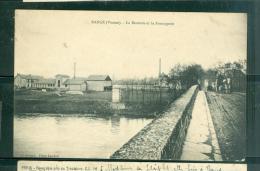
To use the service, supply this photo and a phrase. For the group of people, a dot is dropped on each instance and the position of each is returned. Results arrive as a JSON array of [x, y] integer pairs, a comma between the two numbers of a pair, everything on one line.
[[223, 83]]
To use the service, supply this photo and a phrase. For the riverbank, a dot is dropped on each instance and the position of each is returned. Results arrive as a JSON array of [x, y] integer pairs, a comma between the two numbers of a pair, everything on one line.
[[32, 101]]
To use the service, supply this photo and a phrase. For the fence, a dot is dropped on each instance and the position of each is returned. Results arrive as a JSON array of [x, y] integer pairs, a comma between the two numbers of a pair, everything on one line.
[[145, 94]]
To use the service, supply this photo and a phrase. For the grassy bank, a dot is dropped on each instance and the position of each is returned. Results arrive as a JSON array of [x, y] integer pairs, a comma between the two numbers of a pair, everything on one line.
[[29, 101]]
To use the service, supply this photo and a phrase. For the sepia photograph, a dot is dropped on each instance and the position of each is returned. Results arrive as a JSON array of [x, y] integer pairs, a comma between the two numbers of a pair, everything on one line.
[[130, 85]]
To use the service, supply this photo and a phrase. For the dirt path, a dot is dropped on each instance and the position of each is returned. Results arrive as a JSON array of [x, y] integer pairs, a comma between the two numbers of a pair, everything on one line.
[[201, 142], [229, 118]]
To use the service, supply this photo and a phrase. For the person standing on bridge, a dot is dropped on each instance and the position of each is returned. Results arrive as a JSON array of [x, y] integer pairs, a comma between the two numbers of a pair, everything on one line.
[[219, 81]]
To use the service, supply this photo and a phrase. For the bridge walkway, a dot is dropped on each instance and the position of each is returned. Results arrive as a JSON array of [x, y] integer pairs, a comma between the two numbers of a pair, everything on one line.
[[201, 142]]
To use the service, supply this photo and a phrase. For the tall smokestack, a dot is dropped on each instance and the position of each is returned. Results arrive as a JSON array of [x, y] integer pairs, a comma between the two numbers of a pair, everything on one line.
[[74, 70]]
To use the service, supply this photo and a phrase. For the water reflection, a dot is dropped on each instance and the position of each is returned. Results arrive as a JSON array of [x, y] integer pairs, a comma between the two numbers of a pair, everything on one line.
[[78, 136], [115, 124]]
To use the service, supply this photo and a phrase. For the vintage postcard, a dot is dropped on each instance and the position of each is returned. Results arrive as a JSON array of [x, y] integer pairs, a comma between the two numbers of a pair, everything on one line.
[[130, 85]]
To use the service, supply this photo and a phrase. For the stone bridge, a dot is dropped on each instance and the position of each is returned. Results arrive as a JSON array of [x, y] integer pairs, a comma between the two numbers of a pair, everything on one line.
[[172, 136]]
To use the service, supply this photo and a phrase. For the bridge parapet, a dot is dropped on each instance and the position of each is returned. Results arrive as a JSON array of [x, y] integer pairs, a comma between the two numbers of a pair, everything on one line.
[[164, 136]]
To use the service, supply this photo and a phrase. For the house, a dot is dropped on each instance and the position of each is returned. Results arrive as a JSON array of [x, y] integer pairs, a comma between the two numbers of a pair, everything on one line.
[[75, 84], [99, 83], [44, 84], [20, 81], [65, 83], [238, 79], [34, 81], [91, 83], [60, 80], [25, 81], [230, 79]]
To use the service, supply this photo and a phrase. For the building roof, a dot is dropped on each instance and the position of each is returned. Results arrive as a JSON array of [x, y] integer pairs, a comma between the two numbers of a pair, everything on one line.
[[75, 81], [30, 77], [236, 71], [46, 81], [99, 78], [62, 75], [82, 78]]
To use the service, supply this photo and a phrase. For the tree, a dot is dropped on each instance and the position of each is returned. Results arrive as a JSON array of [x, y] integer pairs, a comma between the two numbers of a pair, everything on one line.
[[176, 75], [187, 75], [193, 74]]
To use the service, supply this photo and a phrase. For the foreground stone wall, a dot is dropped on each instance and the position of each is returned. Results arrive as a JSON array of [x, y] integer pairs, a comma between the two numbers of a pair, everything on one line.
[[164, 136]]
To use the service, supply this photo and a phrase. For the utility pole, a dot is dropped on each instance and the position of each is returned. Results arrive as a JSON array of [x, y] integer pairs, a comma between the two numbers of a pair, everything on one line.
[[74, 70], [160, 93]]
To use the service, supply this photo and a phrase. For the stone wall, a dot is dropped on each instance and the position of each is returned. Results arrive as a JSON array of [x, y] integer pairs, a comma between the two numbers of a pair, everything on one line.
[[164, 136]]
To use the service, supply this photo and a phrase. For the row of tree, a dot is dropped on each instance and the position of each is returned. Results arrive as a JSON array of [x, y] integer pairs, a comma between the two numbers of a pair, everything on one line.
[[184, 76]]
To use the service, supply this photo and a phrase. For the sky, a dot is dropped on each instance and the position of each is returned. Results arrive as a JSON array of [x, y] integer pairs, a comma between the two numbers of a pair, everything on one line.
[[124, 44]]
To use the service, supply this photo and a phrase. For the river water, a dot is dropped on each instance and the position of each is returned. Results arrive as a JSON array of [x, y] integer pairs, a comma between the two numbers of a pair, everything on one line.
[[72, 136]]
